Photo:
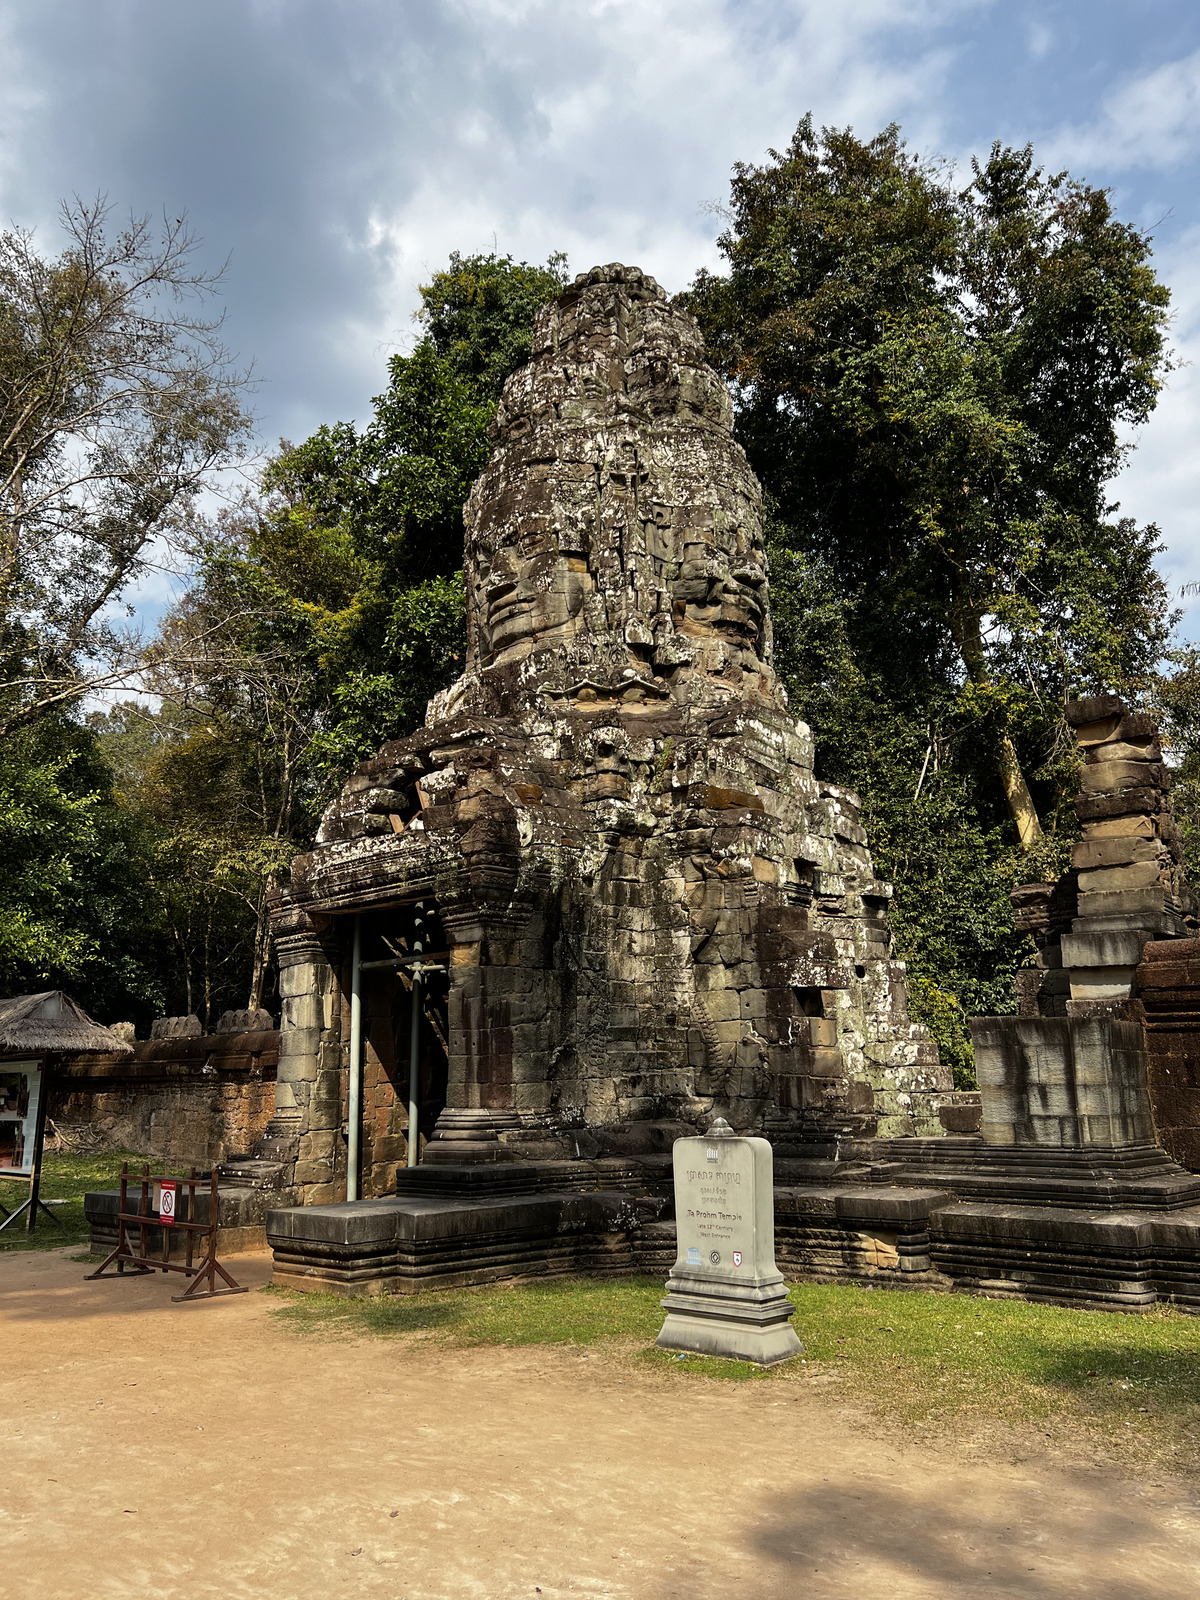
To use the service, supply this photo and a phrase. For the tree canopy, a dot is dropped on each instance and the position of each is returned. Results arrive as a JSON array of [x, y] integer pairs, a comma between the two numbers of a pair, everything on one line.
[[118, 405], [933, 379], [932, 383]]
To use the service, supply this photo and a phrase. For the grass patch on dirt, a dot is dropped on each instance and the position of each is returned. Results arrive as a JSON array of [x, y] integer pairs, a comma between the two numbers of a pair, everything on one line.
[[66, 1179], [1128, 1385], [564, 1311]]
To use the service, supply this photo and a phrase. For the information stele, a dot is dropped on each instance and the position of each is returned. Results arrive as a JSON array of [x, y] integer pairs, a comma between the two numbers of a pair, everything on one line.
[[725, 1296]]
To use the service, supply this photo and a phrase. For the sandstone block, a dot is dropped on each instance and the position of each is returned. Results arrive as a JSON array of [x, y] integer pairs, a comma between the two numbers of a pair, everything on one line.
[[1178, 976], [1131, 902], [1120, 827], [1121, 850], [1131, 875], [1101, 983], [1098, 732], [1134, 727], [317, 1146], [316, 1171], [1094, 708], [1098, 807], [1102, 949], [1120, 750], [1104, 776]]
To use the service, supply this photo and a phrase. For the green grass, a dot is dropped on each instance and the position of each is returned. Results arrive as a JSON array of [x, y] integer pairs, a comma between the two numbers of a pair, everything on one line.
[[923, 1361], [563, 1311], [67, 1178]]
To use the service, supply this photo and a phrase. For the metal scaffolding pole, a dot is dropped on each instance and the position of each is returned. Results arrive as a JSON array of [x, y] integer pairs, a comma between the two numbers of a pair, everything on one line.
[[414, 1046], [354, 1115]]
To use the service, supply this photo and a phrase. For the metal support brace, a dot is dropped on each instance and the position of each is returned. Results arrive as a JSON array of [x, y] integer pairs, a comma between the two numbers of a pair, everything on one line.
[[354, 1115]]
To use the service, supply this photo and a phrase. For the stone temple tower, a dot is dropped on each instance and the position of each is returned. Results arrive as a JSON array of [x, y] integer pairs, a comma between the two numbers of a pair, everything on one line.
[[645, 907]]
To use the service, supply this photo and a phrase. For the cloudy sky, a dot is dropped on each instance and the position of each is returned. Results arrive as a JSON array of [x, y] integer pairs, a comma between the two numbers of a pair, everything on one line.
[[337, 150]]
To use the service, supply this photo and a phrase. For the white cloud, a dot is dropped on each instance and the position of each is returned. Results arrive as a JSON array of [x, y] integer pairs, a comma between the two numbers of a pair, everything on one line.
[[1039, 39], [1161, 482], [631, 116], [20, 101], [341, 148], [1151, 120]]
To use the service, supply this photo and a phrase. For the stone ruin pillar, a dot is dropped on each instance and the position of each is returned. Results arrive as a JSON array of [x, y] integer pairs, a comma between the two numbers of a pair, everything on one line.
[[304, 1134], [1071, 1070]]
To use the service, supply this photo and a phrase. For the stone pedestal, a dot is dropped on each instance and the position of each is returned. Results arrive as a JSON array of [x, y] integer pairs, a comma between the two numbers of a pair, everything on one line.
[[1063, 1082], [725, 1296], [465, 1136]]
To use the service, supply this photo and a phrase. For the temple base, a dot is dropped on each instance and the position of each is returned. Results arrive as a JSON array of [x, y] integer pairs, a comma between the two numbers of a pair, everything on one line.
[[459, 1227], [1108, 1230]]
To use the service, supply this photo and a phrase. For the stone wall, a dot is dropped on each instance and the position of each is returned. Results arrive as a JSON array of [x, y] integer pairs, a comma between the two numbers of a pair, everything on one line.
[[1167, 1002], [186, 1099]]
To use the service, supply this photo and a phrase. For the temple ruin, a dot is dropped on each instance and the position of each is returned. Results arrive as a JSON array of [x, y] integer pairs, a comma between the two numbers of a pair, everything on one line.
[[600, 899], [649, 909]]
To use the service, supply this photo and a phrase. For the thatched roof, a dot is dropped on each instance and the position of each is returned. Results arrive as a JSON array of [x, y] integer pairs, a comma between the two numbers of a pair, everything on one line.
[[35, 1023]]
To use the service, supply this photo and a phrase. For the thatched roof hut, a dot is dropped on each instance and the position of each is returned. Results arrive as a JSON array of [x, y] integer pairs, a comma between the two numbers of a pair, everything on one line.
[[35, 1024]]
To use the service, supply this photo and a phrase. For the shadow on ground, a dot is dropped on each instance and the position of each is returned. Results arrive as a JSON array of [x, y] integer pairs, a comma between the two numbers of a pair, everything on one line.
[[1076, 1543]]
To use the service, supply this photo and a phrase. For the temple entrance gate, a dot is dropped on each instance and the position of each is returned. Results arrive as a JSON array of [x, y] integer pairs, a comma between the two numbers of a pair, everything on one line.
[[393, 942]]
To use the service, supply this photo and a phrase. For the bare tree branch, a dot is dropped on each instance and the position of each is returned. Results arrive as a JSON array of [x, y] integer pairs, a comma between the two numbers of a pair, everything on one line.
[[118, 405]]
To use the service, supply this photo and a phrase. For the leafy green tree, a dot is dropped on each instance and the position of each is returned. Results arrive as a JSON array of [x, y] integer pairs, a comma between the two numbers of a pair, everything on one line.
[[206, 856], [77, 908], [932, 383], [478, 315], [1176, 701], [925, 790], [242, 671]]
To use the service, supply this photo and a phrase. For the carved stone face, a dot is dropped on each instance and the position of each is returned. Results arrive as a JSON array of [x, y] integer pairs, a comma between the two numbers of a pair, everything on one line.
[[722, 592], [521, 587], [617, 529], [527, 590]]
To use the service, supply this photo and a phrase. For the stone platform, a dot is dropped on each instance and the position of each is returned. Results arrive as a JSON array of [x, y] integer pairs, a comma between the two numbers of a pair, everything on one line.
[[413, 1242], [1116, 1230], [1121, 1233]]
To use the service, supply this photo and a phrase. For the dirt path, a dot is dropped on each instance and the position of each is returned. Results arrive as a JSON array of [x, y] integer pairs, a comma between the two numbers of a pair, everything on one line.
[[194, 1451]]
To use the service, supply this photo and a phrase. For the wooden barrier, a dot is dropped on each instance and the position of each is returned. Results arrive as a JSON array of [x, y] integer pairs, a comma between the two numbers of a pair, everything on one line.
[[143, 1219]]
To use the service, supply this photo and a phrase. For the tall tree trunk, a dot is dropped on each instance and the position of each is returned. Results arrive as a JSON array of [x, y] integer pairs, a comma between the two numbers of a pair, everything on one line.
[[965, 624], [262, 947], [208, 973], [1016, 791]]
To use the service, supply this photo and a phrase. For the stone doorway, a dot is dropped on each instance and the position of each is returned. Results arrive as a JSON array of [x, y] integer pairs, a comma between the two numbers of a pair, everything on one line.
[[389, 935]]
